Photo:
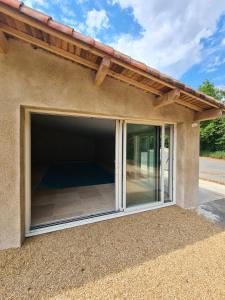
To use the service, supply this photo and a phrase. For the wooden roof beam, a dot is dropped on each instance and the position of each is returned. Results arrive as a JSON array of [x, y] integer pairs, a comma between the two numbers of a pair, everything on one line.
[[135, 83], [3, 43], [209, 114], [167, 98], [188, 105], [173, 97], [102, 71], [42, 44]]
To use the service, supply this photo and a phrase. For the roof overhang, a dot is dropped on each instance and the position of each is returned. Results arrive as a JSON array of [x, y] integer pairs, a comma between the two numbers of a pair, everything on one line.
[[31, 26]]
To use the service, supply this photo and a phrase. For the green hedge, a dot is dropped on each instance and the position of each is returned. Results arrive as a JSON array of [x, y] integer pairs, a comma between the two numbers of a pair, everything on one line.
[[212, 135], [216, 154]]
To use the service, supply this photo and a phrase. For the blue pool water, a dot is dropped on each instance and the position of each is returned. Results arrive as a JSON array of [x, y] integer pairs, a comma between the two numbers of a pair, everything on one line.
[[73, 174]]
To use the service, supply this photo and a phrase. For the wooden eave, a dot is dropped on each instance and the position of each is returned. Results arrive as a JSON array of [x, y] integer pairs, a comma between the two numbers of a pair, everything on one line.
[[23, 23]]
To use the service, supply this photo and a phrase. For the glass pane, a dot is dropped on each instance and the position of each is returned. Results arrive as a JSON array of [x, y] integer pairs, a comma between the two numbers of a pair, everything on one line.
[[168, 163], [142, 164]]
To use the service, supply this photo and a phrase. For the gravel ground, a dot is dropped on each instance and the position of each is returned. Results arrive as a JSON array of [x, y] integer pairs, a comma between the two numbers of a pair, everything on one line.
[[168, 253]]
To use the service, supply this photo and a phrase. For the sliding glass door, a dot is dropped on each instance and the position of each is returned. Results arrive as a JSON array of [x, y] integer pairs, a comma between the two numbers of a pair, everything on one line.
[[147, 165], [81, 168], [142, 164]]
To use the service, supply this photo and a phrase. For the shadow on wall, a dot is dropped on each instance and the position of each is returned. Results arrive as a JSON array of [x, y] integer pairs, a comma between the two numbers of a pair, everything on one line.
[[51, 264]]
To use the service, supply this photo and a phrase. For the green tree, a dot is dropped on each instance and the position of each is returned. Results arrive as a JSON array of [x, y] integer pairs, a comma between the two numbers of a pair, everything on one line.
[[212, 133], [209, 88]]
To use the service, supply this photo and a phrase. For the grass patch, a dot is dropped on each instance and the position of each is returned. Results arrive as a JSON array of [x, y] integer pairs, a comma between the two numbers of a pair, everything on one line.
[[216, 154]]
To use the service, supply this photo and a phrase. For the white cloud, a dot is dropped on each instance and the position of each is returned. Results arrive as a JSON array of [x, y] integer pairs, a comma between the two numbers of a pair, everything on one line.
[[69, 21], [95, 21], [67, 12], [172, 32], [81, 1], [212, 65], [220, 86], [223, 41], [32, 3]]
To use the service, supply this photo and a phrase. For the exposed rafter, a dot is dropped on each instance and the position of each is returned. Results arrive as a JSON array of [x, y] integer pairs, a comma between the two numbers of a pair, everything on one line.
[[173, 97], [167, 98], [135, 83], [201, 100], [102, 71], [188, 105], [3, 43], [35, 41], [210, 114]]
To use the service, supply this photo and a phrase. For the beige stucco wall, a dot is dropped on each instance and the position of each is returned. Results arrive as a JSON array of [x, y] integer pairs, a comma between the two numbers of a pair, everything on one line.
[[35, 78]]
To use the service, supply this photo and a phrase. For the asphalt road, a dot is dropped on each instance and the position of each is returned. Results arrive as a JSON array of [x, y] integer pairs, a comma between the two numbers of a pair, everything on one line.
[[212, 194], [212, 169], [211, 204]]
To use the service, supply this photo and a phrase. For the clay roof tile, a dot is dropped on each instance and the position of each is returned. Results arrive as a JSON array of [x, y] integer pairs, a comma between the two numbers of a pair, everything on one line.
[[60, 27], [138, 65], [12, 3], [188, 89], [202, 96], [169, 80], [197, 93], [122, 56], [34, 14], [153, 72], [83, 38], [180, 85], [104, 48]]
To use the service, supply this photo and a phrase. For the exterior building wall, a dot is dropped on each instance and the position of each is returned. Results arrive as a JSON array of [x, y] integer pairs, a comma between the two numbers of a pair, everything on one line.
[[34, 78], [187, 165]]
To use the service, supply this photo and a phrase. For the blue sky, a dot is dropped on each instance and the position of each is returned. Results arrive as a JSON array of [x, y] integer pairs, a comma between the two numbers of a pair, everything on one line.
[[185, 39]]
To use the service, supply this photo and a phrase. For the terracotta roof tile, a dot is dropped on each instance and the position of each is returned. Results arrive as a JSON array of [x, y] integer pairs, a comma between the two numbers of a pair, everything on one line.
[[194, 93], [197, 93], [122, 56], [138, 65], [163, 77], [169, 80], [104, 48], [180, 85], [202, 96], [188, 89], [60, 27], [153, 72], [34, 14], [83, 38], [12, 3]]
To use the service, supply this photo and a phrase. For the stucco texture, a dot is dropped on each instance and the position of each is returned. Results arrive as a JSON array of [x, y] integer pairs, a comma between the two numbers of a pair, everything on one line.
[[34, 78]]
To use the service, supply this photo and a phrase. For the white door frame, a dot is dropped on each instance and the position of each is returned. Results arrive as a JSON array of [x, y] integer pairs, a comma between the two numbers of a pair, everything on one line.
[[27, 168], [118, 169], [27, 148], [162, 158], [162, 165]]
